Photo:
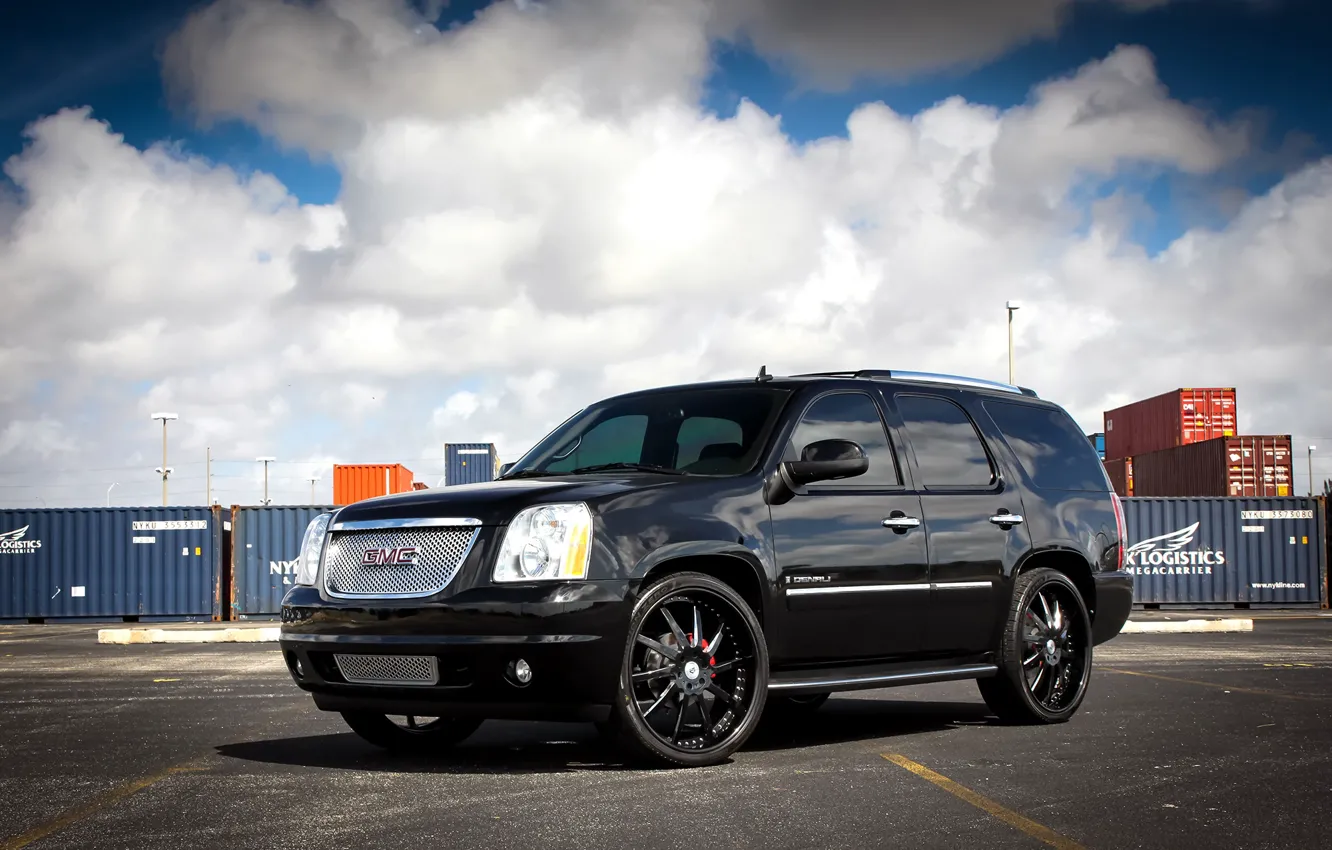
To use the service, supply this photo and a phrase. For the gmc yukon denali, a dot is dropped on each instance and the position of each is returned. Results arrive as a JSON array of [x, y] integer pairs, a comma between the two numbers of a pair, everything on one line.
[[674, 564]]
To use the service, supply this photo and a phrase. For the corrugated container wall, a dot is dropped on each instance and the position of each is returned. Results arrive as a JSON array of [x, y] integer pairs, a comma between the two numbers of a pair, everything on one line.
[[1120, 471], [469, 463], [113, 562], [1218, 551], [265, 544], [1230, 466], [353, 482], [1171, 419]]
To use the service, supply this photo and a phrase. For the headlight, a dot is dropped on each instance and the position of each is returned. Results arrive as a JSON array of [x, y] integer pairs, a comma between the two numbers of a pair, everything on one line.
[[312, 546], [546, 542]]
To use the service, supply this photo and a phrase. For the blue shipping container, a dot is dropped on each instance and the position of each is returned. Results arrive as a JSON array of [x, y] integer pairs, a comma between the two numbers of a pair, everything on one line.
[[265, 543], [113, 562], [1266, 552], [1098, 440], [469, 463]]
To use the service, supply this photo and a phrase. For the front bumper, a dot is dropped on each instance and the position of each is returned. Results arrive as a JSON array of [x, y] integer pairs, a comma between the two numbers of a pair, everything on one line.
[[1114, 602], [571, 635]]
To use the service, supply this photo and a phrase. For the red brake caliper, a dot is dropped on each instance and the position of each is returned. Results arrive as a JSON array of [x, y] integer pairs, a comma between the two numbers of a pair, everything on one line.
[[712, 662]]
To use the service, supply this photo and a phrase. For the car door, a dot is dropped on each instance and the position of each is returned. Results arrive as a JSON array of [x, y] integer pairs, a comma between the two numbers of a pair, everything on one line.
[[964, 499], [853, 586]]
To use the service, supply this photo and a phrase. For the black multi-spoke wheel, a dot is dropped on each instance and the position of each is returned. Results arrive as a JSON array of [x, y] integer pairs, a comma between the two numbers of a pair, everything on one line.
[[412, 734], [1046, 654], [694, 675]]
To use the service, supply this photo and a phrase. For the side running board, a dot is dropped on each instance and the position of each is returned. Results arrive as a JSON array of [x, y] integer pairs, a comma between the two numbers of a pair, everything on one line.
[[863, 678]]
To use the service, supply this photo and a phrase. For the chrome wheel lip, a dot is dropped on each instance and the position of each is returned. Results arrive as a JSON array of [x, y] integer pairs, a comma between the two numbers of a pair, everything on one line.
[[720, 709]]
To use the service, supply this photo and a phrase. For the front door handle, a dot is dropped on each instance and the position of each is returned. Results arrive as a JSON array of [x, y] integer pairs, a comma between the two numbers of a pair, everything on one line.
[[901, 522], [1007, 520]]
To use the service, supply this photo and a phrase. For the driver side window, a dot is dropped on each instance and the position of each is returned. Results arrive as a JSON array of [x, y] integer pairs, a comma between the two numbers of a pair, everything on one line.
[[849, 416]]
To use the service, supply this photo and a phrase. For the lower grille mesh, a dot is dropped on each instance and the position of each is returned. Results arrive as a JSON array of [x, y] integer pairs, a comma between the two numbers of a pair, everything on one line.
[[388, 669]]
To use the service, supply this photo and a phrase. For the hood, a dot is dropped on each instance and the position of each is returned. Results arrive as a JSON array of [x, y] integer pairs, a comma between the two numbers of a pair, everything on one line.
[[496, 502]]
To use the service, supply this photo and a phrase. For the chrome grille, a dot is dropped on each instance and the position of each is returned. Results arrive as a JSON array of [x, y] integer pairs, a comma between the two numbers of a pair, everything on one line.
[[439, 554], [388, 669]]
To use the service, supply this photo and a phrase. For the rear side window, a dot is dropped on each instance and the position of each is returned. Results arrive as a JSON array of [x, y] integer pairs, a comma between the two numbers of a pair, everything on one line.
[[949, 450], [1051, 448]]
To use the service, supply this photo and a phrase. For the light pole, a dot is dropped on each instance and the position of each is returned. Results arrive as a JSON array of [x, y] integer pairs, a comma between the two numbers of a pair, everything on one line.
[[1011, 306], [266, 461], [108, 494], [313, 481], [164, 469], [1311, 451]]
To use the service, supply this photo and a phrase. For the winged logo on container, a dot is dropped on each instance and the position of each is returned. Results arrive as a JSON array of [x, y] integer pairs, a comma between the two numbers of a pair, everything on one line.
[[1165, 550], [17, 534], [1172, 542], [13, 542]]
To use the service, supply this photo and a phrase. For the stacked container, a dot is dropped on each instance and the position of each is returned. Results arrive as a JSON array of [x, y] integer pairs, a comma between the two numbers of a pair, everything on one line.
[[1257, 466], [1176, 418], [469, 463]]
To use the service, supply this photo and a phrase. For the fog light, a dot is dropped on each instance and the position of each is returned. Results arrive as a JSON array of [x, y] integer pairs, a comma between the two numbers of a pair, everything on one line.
[[522, 672]]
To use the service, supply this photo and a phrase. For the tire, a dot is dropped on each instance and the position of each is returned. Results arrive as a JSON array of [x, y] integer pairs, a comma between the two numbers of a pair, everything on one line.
[[442, 734], [1038, 683], [659, 705]]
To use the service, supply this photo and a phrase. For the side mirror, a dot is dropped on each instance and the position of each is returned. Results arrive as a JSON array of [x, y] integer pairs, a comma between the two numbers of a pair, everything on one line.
[[827, 460], [505, 467]]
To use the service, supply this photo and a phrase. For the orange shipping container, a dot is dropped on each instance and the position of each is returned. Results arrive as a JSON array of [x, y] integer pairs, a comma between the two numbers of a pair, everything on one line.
[[1120, 471], [353, 482]]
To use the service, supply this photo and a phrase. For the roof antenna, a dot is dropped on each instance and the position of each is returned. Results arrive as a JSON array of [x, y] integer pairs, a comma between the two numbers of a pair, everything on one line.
[[763, 374]]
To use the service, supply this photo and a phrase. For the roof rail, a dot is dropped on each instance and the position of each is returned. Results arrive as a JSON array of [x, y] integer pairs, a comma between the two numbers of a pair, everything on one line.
[[923, 377]]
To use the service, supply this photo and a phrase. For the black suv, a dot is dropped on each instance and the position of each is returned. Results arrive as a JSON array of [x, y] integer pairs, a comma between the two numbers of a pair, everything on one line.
[[672, 564]]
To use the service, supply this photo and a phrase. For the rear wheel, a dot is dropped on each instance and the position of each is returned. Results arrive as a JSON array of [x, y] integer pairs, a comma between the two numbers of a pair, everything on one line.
[[694, 676], [1045, 654], [414, 734]]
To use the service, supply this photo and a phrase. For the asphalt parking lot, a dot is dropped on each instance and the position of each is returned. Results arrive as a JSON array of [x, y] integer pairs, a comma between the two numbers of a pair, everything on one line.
[[1184, 740]]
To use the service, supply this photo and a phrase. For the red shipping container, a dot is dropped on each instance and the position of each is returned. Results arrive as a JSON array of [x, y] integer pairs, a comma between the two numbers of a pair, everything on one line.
[[353, 482], [1120, 471], [1229, 466], [1177, 418]]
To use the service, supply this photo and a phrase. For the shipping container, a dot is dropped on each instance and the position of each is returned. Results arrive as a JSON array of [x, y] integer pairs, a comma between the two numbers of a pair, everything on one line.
[[1264, 552], [353, 482], [1229, 466], [469, 463], [1176, 418], [1098, 440], [128, 563], [1120, 471], [265, 544]]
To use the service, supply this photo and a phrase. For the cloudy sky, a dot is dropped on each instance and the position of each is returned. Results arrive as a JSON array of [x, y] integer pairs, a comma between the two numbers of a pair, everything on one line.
[[355, 230]]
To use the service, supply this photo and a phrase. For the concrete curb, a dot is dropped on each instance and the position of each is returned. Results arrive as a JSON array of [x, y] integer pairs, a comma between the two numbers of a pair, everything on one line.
[[261, 635], [1186, 626]]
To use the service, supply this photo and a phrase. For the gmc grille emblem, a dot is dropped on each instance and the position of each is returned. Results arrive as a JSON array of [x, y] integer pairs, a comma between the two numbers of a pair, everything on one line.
[[389, 557]]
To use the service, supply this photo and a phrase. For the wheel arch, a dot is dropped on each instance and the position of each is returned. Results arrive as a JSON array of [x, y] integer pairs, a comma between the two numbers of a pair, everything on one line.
[[1070, 563], [737, 572]]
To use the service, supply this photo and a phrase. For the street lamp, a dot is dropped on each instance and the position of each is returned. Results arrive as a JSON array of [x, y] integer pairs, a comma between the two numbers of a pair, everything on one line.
[[108, 494], [164, 469], [1011, 306], [1311, 451], [313, 481], [266, 461]]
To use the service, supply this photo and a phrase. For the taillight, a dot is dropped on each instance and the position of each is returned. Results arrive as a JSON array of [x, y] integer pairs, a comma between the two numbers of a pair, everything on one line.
[[1121, 528]]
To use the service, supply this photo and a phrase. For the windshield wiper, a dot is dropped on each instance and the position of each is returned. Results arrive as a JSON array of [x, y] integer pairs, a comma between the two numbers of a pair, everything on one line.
[[526, 473], [640, 467]]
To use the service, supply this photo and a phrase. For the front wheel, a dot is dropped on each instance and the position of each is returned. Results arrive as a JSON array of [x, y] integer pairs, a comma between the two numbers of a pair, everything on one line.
[[1045, 654], [694, 675], [416, 734]]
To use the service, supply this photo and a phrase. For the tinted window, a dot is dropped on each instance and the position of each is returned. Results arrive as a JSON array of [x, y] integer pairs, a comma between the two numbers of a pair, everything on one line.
[[849, 416], [1050, 446], [706, 431], [948, 448]]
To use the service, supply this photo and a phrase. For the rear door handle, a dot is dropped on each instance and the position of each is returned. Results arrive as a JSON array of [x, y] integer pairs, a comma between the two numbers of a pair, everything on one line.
[[902, 522], [1006, 519]]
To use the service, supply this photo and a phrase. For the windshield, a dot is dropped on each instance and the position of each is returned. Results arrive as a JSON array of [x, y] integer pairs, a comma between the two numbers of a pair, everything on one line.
[[712, 431]]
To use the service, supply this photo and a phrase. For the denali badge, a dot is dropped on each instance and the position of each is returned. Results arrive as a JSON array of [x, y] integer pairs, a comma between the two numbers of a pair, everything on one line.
[[809, 579], [389, 556]]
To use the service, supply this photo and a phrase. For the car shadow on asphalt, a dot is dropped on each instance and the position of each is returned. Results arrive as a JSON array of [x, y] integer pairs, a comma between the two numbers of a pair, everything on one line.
[[507, 747]]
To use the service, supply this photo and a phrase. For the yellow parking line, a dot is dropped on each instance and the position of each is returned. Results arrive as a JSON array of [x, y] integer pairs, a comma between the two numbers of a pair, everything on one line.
[[1259, 691], [111, 797], [985, 804]]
